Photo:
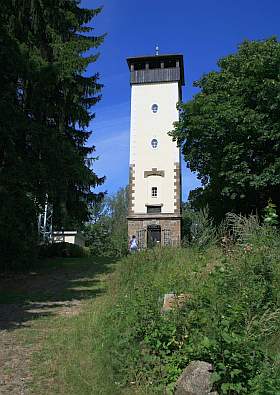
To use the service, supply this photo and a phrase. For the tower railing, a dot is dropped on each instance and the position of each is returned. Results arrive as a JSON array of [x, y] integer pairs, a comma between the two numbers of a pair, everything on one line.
[[155, 75]]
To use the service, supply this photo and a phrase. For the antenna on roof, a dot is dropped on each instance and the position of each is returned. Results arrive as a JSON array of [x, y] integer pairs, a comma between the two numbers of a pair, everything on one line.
[[157, 49]]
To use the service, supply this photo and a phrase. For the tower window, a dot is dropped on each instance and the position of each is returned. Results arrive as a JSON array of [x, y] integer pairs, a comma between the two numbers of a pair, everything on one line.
[[154, 192], [139, 66], [154, 143], [153, 209], [155, 108], [154, 65], [169, 64]]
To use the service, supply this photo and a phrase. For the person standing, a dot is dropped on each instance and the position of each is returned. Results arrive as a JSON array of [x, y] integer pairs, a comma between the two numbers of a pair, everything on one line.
[[133, 245]]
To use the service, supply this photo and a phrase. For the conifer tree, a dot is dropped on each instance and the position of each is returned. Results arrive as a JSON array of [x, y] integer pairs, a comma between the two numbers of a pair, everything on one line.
[[47, 100]]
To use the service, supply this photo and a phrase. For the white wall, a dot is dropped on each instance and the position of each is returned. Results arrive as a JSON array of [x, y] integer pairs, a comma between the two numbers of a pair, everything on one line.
[[146, 125], [72, 237]]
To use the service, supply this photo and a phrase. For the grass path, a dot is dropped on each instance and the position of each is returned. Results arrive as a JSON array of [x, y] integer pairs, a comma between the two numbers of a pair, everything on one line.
[[37, 305]]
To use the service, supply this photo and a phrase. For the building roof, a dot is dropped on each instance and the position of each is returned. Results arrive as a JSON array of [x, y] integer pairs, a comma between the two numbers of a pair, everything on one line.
[[160, 57], [133, 59]]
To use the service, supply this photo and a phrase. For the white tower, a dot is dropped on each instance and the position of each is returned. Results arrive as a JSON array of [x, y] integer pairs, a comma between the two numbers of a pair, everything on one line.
[[155, 175]]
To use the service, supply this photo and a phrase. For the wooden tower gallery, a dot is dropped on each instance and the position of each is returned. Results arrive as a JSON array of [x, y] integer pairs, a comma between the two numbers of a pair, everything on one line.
[[154, 214]]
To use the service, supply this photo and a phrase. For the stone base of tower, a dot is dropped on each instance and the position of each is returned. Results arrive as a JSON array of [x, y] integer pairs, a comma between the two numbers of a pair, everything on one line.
[[164, 230]]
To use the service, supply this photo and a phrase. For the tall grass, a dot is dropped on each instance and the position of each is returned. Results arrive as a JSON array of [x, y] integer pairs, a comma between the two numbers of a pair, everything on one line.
[[123, 344]]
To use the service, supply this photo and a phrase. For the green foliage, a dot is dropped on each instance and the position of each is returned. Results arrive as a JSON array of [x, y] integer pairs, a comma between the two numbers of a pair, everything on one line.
[[230, 131], [63, 250], [242, 228], [18, 231], [107, 233], [197, 227], [98, 237], [270, 214], [45, 109], [187, 214], [230, 318], [267, 382]]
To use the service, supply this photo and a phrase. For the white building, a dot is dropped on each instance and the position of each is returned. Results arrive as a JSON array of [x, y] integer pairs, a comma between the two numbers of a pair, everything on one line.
[[155, 173], [68, 236]]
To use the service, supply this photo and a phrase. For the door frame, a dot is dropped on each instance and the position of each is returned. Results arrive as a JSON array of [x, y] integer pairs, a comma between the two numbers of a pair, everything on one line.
[[157, 229]]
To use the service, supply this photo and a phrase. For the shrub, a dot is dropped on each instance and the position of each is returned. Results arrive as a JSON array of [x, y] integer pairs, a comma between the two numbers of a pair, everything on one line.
[[63, 249], [230, 320], [197, 228], [18, 231], [267, 381], [270, 214], [107, 234]]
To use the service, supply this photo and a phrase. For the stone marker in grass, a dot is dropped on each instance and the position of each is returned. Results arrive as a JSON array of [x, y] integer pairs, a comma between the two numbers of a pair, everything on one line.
[[195, 380], [172, 300]]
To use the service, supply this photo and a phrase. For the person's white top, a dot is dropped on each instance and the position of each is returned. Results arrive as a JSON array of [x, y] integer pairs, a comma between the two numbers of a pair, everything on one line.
[[133, 244]]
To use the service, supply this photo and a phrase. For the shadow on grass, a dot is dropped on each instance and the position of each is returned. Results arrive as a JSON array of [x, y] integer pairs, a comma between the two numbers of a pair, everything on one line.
[[57, 287]]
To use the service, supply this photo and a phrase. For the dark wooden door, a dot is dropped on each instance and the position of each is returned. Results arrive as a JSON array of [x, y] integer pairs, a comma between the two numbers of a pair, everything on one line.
[[153, 235]]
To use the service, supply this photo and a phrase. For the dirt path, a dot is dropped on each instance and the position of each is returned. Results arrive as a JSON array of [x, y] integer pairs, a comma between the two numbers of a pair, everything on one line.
[[25, 300], [14, 365]]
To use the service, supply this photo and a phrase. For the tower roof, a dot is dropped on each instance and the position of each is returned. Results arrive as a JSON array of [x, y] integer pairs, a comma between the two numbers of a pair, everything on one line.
[[170, 67]]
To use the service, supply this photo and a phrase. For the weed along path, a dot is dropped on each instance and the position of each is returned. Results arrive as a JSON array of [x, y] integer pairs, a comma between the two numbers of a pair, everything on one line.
[[36, 306]]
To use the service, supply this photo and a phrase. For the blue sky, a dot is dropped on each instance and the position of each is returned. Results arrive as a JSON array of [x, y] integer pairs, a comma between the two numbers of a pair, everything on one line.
[[202, 30]]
